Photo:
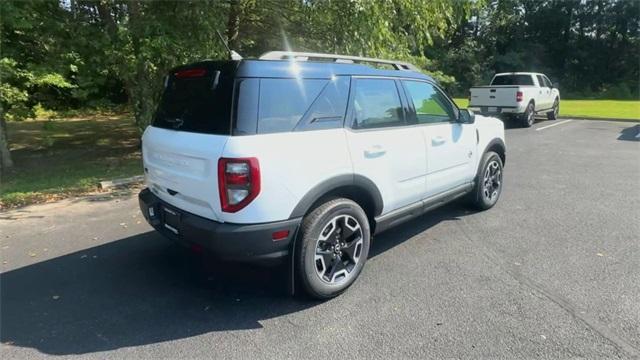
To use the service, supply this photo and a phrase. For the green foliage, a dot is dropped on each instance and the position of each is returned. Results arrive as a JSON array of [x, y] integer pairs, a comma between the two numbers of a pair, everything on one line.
[[590, 47], [64, 55]]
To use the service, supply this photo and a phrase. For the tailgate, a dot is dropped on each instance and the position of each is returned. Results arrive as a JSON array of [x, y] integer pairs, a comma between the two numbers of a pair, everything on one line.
[[181, 169], [499, 96]]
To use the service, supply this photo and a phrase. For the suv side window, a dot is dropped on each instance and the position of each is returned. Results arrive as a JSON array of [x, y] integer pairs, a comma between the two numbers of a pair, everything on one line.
[[376, 104], [327, 111], [283, 102], [264, 106], [430, 104]]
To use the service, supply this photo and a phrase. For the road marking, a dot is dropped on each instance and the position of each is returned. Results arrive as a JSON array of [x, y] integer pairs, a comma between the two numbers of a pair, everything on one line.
[[556, 124]]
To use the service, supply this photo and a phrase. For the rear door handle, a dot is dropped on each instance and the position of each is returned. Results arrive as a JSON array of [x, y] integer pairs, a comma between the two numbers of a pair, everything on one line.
[[374, 151], [438, 140]]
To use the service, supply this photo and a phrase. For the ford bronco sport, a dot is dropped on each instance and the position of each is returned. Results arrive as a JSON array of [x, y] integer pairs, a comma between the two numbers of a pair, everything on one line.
[[305, 157]]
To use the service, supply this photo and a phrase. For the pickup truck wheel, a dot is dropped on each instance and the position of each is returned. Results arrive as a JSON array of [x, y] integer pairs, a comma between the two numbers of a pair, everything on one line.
[[488, 185], [333, 247], [529, 116], [553, 114]]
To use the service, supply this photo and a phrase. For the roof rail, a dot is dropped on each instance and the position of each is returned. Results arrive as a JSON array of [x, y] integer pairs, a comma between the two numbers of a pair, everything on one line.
[[305, 56]]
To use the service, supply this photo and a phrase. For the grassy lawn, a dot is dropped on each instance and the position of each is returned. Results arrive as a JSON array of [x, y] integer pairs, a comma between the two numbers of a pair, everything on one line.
[[611, 109], [61, 158]]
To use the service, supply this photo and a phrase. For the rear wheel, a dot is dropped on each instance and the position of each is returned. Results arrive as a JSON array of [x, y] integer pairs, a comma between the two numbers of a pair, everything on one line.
[[528, 118], [553, 114], [333, 247], [488, 185]]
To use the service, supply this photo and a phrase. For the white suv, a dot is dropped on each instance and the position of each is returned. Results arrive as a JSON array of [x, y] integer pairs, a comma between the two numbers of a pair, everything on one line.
[[305, 157]]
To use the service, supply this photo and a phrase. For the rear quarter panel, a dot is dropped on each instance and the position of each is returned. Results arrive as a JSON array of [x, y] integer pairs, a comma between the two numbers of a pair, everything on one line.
[[291, 164]]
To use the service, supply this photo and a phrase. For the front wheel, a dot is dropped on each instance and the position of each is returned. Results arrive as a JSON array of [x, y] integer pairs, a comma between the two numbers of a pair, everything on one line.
[[553, 114], [488, 185], [333, 247]]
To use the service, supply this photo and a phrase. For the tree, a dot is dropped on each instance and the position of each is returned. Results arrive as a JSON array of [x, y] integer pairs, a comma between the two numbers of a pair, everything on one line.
[[31, 65]]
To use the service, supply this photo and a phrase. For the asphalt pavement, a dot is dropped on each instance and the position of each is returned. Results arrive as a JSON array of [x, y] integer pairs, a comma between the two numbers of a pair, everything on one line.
[[552, 271]]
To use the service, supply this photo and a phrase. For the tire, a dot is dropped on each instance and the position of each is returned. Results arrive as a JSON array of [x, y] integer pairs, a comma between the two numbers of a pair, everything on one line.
[[553, 114], [327, 267], [529, 116], [488, 183]]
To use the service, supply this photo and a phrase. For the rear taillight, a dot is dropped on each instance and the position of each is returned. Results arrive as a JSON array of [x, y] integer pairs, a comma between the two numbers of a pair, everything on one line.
[[519, 96], [238, 182]]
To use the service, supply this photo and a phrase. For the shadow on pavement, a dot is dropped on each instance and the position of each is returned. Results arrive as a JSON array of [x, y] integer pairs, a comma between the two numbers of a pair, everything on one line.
[[143, 290], [630, 134]]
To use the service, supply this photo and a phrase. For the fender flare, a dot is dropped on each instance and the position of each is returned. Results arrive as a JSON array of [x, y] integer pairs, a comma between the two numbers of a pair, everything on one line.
[[495, 142], [325, 187]]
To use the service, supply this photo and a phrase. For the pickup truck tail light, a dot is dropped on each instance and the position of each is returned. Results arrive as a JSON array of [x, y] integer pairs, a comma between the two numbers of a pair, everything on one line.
[[238, 182], [519, 96]]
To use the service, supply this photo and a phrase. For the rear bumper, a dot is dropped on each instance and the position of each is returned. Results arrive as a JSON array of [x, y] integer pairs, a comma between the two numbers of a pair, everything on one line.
[[238, 242], [496, 110]]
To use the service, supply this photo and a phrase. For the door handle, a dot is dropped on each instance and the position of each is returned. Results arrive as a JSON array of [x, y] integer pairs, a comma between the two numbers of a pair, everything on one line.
[[438, 140], [374, 151]]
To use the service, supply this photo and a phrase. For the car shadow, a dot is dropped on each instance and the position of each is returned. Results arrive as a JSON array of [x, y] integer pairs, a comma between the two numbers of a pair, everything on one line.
[[631, 133], [143, 290]]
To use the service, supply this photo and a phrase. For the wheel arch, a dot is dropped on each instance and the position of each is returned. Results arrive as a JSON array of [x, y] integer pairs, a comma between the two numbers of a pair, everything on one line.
[[496, 145], [354, 187]]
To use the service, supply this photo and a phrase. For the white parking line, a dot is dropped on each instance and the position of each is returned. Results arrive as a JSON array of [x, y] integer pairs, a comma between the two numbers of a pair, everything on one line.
[[556, 124]]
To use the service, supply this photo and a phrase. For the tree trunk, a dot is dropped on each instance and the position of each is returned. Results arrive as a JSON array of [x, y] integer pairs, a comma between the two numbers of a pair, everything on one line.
[[233, 25], [139, 84], [5, 156], [109, 23]]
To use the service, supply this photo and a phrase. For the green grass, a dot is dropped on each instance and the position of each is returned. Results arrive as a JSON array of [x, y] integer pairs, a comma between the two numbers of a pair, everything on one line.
[[606, 109], [55, 159]]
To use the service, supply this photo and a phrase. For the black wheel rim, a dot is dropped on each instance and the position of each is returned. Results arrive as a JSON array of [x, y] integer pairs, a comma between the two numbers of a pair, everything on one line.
[[492, 181], [338, 249]]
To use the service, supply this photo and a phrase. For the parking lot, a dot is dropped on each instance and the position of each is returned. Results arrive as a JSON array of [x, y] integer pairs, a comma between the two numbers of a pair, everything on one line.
[[553, 271]]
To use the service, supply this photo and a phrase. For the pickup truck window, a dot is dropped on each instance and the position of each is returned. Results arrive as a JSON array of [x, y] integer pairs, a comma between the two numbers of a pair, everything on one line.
[[430, 104], [541, 82], [512, 80]]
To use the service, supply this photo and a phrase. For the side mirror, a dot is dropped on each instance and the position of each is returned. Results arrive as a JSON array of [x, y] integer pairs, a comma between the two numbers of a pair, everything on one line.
[[466, 116], [555, 85]]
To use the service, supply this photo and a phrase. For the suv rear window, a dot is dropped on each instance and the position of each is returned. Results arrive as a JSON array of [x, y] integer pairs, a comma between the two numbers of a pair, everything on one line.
[[198, 99], [512, 80]]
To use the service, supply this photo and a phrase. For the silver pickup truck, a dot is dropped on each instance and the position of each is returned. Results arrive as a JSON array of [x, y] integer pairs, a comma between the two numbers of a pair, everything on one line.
[[517, 95]]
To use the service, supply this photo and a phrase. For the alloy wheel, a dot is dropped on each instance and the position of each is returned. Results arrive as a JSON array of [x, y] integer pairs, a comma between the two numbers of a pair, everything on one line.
[[531, 115], [338, 249], [492, 181]]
